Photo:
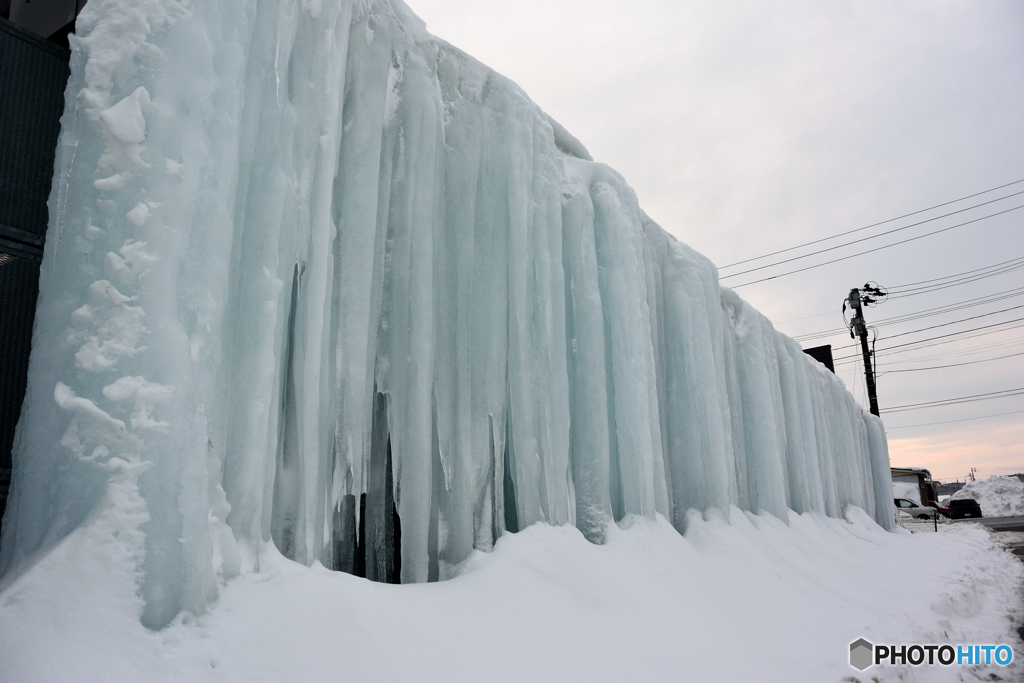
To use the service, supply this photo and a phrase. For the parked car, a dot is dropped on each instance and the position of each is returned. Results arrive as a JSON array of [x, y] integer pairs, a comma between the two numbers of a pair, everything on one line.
[[944, 511], [964, 508], [914, 509]]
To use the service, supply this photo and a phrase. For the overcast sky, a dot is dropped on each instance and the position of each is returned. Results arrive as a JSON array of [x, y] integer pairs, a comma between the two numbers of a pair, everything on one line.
[[751, 126]]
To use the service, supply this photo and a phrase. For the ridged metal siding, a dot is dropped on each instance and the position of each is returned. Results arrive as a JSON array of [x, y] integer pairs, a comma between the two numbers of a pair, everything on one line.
[[33, 75], [19, 282]]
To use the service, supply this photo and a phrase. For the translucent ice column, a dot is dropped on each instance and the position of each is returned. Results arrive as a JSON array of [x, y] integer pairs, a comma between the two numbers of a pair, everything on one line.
[[317, 278]]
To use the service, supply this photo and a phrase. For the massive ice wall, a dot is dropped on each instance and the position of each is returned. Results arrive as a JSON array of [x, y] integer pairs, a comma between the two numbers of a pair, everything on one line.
[[316, 277]]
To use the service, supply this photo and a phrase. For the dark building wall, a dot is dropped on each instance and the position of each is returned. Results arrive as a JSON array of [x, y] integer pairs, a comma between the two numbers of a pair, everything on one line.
[[45, 18], [822, 354], [33, 75]]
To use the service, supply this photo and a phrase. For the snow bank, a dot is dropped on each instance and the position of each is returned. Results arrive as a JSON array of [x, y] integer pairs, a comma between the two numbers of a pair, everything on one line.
[[320, 271], [997, 496], [745, 599]]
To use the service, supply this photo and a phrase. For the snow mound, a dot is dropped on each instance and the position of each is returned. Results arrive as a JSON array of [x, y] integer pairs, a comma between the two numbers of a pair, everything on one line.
[[545, 605], [997, 496]]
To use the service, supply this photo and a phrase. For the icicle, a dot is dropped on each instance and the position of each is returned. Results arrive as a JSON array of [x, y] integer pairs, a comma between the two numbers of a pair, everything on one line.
[[354, 291]]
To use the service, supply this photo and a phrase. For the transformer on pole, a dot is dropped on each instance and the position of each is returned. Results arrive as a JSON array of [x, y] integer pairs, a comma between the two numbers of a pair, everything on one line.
[[860, 297]]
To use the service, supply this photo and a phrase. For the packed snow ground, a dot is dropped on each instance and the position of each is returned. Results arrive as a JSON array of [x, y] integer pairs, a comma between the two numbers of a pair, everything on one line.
[[997, 496], [751, 599]]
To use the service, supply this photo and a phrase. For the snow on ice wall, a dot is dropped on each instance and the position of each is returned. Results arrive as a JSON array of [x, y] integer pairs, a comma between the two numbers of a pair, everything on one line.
[[304, 251]]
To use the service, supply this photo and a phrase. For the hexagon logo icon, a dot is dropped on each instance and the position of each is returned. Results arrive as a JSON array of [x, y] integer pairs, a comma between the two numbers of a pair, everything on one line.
[[861, 652]]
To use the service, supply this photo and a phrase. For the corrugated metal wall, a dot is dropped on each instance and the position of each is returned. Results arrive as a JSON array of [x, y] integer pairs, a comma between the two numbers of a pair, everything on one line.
[[33, 74]]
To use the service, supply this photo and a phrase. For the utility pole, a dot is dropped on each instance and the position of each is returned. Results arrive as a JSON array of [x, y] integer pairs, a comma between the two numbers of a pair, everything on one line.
[[860, 297]]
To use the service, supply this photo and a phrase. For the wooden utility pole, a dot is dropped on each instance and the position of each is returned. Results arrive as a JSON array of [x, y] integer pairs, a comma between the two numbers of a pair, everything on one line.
[[859, 328]]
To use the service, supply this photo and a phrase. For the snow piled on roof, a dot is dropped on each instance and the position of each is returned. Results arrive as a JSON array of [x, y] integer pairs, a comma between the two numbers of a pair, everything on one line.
[[997, 496], [909, 491]]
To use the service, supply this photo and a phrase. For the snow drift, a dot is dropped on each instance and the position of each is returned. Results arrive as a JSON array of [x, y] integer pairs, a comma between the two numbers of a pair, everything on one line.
[[317, 277], [748, 598], [997, 496]]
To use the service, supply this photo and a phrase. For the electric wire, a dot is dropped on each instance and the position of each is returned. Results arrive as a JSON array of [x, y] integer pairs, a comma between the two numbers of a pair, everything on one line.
[[953, 365], [932, 327], [871, 237], [869, 251], [988, 396], [958, 306], [961, 353], [900, 349], [848, 359], [955, 322], [816, 315], [914, 285], [965, 419], [962, 320], [926, 313], [956, 353], [943, 336], [874, 225], [903, 294], [1019, 259]]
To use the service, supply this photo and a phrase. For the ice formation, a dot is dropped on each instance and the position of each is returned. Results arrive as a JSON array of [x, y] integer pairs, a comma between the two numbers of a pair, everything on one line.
[[303, 251]]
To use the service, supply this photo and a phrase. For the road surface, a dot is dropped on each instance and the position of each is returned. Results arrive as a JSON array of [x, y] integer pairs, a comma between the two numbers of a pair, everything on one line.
[[999, 523]]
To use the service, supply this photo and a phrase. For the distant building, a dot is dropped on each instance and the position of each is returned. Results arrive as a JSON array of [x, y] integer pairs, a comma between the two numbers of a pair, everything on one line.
[[949, 489], [914, 483]]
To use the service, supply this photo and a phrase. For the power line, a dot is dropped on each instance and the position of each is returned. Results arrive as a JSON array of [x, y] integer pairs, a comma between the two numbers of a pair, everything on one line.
[[943, 336], [940, 404], [886, 350], [845, 359], [1017, 342], [959, 305], [926, 313], [869, 251], [962, 320], [907, 286], [966, 419], [1005, 393], [902, 294], [874, 225], [953, 322], [958, 353], [891, 289], [871, 237], [795, 320], [955, 365]]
